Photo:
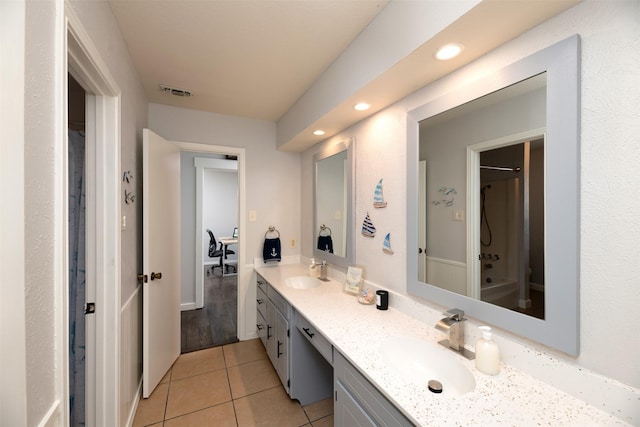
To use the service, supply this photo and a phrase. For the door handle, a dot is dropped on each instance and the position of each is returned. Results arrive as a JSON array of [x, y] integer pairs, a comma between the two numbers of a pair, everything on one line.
[[268, 331], [260, 301], [306, 330], [260, 327], [156, 276], [279, 353], [143, 278]]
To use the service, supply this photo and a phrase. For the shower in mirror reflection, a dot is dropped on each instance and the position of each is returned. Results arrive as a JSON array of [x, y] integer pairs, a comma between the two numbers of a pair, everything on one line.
[[512, 227]]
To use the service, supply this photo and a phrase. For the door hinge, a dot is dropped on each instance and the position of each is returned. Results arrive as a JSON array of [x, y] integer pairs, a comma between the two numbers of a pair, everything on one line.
[[90, 308], [288, 383], [288, 335]]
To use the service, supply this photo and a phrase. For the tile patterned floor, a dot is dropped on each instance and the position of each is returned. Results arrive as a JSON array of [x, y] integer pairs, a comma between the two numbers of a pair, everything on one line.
[[232, 385]]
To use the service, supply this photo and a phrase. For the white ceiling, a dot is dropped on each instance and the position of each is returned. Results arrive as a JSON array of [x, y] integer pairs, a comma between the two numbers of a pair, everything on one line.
[[249, 58], [256, 58]]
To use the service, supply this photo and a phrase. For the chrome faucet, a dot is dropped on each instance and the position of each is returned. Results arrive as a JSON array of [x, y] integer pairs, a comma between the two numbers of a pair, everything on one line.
[[323, 270], [453, 326]]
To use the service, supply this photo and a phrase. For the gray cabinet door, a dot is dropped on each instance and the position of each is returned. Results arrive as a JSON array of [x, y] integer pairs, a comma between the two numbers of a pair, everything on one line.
[[282, 348], [347, 412]]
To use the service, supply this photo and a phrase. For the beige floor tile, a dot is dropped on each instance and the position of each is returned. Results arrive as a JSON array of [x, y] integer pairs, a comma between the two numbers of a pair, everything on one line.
[[252, 377], [243, 352], [319, 409], [269, 408], [322, 422], [198, 392], [151, 410], [197, 362], [219, 416]]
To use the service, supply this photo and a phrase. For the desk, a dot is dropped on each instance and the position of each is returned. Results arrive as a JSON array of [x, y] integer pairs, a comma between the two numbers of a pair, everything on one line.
[[226, 241]]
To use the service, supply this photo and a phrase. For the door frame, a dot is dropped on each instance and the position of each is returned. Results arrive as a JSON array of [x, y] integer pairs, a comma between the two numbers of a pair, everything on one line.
[[242, 272], [84, 62]]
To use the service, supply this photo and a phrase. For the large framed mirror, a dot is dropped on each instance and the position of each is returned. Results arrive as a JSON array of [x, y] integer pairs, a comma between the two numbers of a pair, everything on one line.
[[332, 209], [493, 198]]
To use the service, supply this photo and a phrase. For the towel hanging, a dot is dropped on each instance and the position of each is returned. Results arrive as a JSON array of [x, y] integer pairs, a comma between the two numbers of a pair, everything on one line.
[[271, 249], [325, 243]]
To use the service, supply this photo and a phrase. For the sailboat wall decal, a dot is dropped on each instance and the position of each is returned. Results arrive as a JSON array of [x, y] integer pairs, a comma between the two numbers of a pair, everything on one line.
[[386, 245], [368, 229], [378, 198]]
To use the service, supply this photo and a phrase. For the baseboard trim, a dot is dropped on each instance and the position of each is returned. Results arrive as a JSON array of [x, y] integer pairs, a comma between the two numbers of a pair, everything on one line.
[[134, 407], [53, 416], [188, 306]]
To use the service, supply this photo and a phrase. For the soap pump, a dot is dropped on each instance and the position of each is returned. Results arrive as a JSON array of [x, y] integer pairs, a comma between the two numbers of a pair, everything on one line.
[[487, 353]]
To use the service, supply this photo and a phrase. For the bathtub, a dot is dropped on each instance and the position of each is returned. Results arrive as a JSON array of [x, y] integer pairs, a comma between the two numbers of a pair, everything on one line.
[[502, 292]]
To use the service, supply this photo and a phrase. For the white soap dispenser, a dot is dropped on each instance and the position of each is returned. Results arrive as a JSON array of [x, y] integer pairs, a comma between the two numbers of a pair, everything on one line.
[[487, 353]]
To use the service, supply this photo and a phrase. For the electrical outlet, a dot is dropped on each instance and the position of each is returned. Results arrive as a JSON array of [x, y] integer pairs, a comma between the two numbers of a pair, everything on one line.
[[292, 243], [458, 215], [252, 216]]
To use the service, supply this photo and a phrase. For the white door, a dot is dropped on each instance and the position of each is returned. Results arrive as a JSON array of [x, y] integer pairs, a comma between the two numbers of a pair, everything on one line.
[[160, 258]]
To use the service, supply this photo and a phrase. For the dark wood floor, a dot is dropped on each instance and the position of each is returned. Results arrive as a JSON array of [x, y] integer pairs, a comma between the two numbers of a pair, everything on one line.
[[216, 323], [537, 305]]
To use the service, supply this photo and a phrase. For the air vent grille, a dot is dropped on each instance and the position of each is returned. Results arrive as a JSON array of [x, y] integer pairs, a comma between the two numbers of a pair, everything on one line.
[[175, 91]]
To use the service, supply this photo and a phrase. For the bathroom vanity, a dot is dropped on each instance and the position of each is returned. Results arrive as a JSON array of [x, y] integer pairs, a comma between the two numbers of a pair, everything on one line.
[[330, 331]]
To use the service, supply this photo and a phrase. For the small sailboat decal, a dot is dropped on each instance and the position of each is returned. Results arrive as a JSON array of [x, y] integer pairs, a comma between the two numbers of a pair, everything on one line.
[[367, 227], [386, 246], [378, 199]]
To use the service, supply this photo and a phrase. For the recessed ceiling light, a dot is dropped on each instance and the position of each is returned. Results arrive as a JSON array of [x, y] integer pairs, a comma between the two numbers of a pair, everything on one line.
[[361, 106], [449, 51], [318, 132]]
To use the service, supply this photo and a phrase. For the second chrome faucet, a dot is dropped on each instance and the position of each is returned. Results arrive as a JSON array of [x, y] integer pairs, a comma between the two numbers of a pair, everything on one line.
[[453, 326]]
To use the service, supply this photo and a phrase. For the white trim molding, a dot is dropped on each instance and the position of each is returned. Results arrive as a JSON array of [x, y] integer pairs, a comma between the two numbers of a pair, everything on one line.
[[85, 64]]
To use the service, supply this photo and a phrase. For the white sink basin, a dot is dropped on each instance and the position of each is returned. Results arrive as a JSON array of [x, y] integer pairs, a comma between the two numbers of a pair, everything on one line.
[[419, 362], [302, 282]]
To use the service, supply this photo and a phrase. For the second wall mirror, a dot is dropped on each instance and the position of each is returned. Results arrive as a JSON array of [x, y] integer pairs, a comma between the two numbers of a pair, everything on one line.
[[333, 207]]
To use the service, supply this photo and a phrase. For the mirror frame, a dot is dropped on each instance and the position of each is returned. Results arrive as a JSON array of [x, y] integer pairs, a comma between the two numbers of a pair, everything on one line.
[[560, 328], [328, 151]]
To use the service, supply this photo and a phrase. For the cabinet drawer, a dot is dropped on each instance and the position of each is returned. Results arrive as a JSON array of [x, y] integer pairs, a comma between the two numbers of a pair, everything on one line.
[[261, 302], [314, 337], [261, 284], [278, 301], [261, 324]]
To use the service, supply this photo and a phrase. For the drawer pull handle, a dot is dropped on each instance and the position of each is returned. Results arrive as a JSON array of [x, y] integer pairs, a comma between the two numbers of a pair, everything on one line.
[[260, 327], [268, 331], [306, 330], [260, 301], [279, 352]]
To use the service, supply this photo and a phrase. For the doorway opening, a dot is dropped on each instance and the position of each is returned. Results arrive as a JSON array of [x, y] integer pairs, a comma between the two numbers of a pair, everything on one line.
[[76, 234], [212, 319]]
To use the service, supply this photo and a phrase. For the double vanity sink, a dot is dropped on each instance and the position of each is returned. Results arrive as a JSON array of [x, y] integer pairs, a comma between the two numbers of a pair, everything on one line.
[[398, 359]]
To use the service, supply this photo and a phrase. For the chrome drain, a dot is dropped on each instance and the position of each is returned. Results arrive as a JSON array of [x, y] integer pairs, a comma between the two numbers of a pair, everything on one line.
[[435, 386]]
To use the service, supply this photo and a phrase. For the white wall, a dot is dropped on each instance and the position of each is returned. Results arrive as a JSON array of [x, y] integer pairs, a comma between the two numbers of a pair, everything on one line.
[[43, 117], [610, 225], [273, 177]]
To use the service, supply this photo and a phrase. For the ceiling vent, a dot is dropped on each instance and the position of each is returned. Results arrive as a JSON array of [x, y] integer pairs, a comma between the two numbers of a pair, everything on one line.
[[175, 91]]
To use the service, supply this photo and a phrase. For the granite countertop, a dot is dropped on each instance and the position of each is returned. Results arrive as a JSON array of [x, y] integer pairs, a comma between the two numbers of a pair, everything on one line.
[[357, 331]]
